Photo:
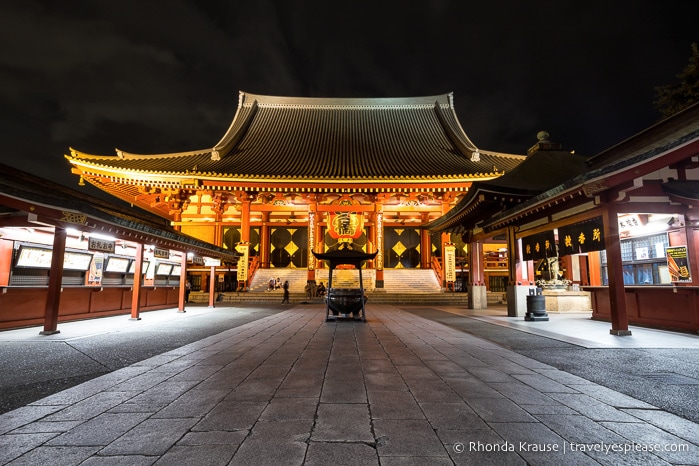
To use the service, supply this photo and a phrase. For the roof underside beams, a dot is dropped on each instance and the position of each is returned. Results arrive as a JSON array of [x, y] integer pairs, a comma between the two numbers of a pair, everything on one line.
[[124, 229], [119, 186]]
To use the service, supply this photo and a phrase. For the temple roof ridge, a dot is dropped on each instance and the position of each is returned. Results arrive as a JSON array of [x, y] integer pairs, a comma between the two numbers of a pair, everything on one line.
[[502, 154], [123, 155], [247, 99], [306, 140]]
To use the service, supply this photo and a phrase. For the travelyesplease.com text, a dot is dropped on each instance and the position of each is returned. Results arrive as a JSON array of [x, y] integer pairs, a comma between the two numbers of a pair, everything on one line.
[[599, 447]]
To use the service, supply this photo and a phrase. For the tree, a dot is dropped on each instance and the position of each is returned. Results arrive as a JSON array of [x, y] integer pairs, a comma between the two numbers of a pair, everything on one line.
[[671, 98]]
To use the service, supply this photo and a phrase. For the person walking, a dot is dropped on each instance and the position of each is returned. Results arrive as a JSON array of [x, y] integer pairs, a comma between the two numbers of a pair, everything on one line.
[[285, 299]]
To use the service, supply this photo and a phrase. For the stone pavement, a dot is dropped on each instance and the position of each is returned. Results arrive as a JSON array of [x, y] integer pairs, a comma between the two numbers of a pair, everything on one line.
[[293, 389]]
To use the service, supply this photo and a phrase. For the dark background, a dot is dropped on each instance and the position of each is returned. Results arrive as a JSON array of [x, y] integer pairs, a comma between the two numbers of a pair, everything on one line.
[[155, 76]]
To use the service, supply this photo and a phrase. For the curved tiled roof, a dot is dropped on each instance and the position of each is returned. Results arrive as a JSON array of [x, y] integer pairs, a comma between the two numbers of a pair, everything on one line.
[[19, 188], [328, 139], [542, 170]]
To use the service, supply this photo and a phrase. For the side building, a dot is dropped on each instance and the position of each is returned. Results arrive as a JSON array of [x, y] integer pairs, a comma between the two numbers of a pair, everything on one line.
[[66, 255], [619, 229]]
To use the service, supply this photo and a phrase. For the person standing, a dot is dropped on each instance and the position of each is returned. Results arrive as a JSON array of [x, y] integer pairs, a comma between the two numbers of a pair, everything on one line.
[[285, 299]]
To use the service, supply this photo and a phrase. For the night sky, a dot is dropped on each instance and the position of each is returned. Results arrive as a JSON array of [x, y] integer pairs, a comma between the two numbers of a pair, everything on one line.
[[163, 76]]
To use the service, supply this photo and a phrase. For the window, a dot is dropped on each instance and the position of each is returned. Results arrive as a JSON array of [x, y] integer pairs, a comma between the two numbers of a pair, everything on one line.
[[643, 260]]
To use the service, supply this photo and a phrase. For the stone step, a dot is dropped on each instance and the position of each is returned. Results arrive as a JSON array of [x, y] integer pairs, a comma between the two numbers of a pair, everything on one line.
[[395, 280], [275, 297], [378, 297]]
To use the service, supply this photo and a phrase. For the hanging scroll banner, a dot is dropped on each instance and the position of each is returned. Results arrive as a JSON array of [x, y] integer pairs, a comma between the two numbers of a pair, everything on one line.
[[581, 237], [539, 246], [449, 262], [678, 263], [243, 248]]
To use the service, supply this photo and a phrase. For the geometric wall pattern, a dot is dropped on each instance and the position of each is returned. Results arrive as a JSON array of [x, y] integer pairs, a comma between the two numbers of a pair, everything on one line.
[[401, 248], [231, 238], [289, 247]]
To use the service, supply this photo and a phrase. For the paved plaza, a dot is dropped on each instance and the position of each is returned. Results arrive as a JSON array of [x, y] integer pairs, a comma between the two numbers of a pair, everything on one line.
[[290, 388]]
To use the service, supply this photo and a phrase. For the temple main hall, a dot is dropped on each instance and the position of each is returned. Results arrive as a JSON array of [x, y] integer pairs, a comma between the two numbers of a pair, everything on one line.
[[294, 175]]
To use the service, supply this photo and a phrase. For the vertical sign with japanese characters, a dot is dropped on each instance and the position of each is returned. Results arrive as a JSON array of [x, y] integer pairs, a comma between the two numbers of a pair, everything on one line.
[[243, 248], [449, 262]]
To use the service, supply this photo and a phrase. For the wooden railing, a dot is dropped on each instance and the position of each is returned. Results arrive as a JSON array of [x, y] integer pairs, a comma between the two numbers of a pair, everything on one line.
[[495, 263], [253, 265], [437, 269]]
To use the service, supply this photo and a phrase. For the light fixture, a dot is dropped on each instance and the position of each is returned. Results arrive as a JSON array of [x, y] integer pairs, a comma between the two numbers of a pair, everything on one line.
[[103, 237]]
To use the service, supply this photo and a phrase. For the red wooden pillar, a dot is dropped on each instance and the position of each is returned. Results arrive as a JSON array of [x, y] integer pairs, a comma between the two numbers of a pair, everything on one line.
[[183, 282], [693, 267], [477, 291], [137, 278], [245, 221], [514, 269], [615, 272], [264, 241], [212, 286], [53, 295], [425, 243], [692, 253], [475, 263]]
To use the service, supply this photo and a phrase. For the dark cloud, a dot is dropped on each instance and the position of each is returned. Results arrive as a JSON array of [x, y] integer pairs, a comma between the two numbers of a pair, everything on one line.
[[152, 76]]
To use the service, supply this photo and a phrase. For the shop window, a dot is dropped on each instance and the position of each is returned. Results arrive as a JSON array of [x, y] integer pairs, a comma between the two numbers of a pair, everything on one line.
[[643, 261]]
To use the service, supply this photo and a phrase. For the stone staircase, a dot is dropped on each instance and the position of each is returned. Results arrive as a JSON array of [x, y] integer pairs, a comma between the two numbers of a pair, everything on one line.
[[411, 281], [295, 277], [401, 286]]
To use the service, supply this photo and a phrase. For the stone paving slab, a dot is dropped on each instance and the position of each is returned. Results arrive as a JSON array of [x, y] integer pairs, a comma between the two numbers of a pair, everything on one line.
[[293, 389]]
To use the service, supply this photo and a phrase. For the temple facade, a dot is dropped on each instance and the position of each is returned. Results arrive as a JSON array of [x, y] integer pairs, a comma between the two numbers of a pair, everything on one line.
[[295, 175]]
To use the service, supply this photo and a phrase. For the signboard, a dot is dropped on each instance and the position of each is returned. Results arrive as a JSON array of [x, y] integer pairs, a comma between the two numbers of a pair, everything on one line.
[[76, 261], [34, 257], [101, 245], [449, 262], [145, 265], [210, 262], [40, 258], [678, 264], [161, 253], [243, 248], [581, 237], [163, 269], [539, 246], [94, 276], [117, 264]]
